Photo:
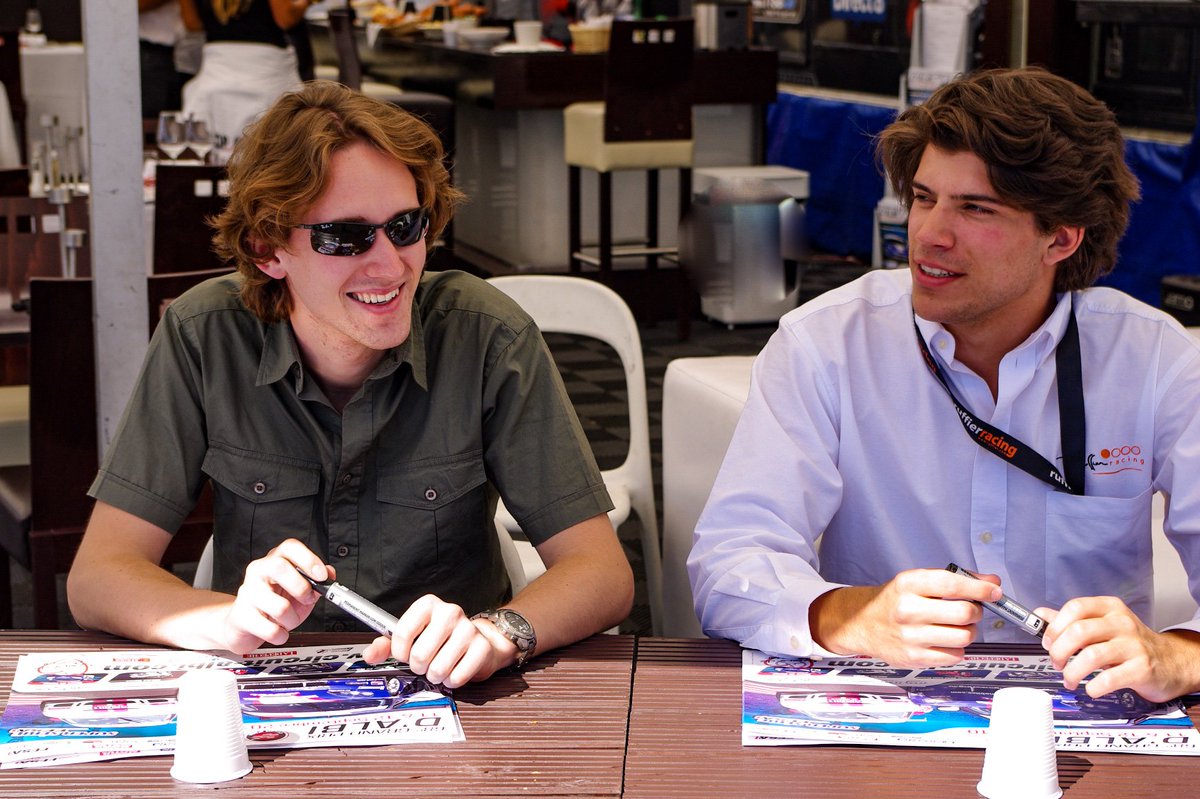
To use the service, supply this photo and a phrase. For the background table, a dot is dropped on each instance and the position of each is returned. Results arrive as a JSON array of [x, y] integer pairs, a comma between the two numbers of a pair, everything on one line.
[[510, 157], [555, 729]]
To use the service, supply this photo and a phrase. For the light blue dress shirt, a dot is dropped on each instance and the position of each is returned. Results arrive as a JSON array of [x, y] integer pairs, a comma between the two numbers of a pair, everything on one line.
[[847, 436]]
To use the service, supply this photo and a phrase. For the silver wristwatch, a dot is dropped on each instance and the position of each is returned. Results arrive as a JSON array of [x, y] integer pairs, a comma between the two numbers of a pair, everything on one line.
[[514, 627]]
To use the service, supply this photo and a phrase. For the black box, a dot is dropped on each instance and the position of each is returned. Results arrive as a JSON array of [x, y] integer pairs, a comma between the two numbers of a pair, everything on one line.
[[1181, 298]]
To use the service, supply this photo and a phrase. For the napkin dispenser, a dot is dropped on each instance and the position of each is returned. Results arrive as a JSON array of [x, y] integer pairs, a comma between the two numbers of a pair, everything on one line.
[[722, 25]]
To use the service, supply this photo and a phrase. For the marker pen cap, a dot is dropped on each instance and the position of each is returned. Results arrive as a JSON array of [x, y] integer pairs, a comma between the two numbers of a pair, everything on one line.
[[210, 744], [1020, 761]]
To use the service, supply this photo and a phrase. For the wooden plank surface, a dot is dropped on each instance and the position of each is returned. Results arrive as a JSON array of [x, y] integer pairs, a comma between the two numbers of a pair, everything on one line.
[[556, 729], [685, 741]]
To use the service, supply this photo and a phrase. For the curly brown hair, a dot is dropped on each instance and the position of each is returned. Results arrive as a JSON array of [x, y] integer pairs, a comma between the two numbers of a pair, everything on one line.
[[1050, 148], [280, 168]]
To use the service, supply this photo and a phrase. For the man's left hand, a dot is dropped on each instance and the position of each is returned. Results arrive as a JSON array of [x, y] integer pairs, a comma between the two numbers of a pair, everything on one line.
[[1104, 635], [438, 640]]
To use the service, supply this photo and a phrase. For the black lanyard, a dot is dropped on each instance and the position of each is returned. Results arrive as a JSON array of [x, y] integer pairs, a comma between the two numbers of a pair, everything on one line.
[[1070, 418]]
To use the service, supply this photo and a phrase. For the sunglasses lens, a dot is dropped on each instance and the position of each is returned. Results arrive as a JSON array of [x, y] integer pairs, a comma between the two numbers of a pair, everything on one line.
[[342, 239], [353, 238], [407, 228]]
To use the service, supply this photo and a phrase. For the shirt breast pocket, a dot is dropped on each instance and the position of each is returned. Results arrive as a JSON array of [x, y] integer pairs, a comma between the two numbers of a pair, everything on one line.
[[1099, 546], [259, 501], [434, 514]]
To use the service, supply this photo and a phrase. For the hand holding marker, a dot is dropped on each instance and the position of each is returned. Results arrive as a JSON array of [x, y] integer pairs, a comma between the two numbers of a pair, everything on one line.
[[365, 611], [1008, 609]]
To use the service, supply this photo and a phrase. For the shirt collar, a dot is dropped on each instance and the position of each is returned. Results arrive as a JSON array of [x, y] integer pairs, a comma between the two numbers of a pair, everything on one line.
[[1043, 341], [281, 354]]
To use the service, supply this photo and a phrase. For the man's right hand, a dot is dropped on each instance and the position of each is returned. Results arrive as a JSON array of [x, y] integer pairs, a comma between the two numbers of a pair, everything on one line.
[[274, 598], [921, 617]]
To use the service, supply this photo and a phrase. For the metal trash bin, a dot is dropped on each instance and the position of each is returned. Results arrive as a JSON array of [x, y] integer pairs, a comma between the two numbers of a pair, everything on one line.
[[742, 244]]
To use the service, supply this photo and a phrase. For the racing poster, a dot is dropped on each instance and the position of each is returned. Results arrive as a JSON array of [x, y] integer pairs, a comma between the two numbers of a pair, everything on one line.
[[72, 707], [788, 701]]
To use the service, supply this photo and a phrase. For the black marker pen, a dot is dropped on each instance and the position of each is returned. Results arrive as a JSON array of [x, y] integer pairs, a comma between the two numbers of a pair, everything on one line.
[[365, 611], [1009, 610]]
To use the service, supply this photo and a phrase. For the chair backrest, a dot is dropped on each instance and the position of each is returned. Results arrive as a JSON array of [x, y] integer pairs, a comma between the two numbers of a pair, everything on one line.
[[583, 307], [185, 197], [62, 404], [646, 75], [62, 393], [341, 31], [29, 241], [14, 182]]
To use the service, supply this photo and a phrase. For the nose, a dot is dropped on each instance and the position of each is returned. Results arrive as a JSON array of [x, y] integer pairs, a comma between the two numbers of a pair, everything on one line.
[[383, 257], [929, 225]]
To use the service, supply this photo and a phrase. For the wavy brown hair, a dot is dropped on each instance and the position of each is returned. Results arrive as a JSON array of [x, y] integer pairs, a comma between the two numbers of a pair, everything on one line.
[[280, 168], [1050, 148]]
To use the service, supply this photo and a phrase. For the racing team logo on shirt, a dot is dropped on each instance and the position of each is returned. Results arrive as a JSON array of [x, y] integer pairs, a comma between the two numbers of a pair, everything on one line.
[[1112, 460]]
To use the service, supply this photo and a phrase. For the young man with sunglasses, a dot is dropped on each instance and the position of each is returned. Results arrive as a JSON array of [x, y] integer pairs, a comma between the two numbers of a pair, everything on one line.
[[985, 407], [357, 418]]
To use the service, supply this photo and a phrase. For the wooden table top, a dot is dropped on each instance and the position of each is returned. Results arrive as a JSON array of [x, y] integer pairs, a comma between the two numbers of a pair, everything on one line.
[[609, 716], [554, 729], [685, 741]]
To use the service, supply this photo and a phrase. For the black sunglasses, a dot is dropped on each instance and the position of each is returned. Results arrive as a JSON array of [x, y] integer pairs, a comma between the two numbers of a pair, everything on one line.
[[353, 238]]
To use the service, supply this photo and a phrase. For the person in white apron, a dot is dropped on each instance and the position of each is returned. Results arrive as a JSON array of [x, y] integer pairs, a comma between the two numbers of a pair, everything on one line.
[[247, 62]]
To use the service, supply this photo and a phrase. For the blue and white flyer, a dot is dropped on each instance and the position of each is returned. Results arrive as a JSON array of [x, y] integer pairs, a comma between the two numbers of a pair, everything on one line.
[[789, 701], [73, 707]]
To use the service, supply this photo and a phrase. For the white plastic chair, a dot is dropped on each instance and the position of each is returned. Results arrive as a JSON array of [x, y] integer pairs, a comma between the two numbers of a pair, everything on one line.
[[583, 307]]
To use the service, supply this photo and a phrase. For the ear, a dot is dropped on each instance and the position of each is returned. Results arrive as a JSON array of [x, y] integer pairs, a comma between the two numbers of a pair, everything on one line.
[[1063, 243], [270, 264]]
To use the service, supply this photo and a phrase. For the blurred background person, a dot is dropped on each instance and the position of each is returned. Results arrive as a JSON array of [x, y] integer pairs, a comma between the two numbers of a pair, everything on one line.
[[159, 29], [247, 60]]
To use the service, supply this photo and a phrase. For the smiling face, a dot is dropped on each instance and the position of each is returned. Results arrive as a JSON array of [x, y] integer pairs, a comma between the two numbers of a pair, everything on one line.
[[980, 266], [347, 310]]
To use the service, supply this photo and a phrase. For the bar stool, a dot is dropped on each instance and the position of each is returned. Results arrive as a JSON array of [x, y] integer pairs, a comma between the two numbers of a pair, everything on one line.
[[644, 123]]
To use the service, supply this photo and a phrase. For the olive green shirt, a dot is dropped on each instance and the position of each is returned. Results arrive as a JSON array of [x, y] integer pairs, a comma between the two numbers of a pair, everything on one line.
[[398, 491]]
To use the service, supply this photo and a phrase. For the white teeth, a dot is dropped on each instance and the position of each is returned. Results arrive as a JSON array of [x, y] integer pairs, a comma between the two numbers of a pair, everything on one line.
[[934, 272], [376, 299]]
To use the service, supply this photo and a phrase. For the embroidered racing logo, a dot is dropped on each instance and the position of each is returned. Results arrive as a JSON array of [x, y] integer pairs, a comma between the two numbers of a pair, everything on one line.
[[1111, 460]]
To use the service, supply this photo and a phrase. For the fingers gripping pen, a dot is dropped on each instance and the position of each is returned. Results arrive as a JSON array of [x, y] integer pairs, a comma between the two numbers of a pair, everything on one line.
[[365, 611], [1009, 609]]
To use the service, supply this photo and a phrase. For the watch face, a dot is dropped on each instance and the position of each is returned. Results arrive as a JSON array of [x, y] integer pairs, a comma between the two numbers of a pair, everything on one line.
[[518, 623]]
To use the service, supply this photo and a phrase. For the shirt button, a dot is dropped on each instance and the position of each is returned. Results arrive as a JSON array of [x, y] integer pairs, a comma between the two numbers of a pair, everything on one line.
[[338, 626], [431, 494], [997, 625], [342, 551], [941, 345], [795, 642], [260, 487], [986, 538], [346, 478]]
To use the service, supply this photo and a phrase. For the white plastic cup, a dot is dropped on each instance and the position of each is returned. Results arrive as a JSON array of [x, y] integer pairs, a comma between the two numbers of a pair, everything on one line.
[[527, 32], [450, 33], [210, 744], [1020, 761]]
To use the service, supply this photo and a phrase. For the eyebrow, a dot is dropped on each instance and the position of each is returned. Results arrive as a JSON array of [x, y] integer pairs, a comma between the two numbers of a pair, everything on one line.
[[984, 198], [361, 220]]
